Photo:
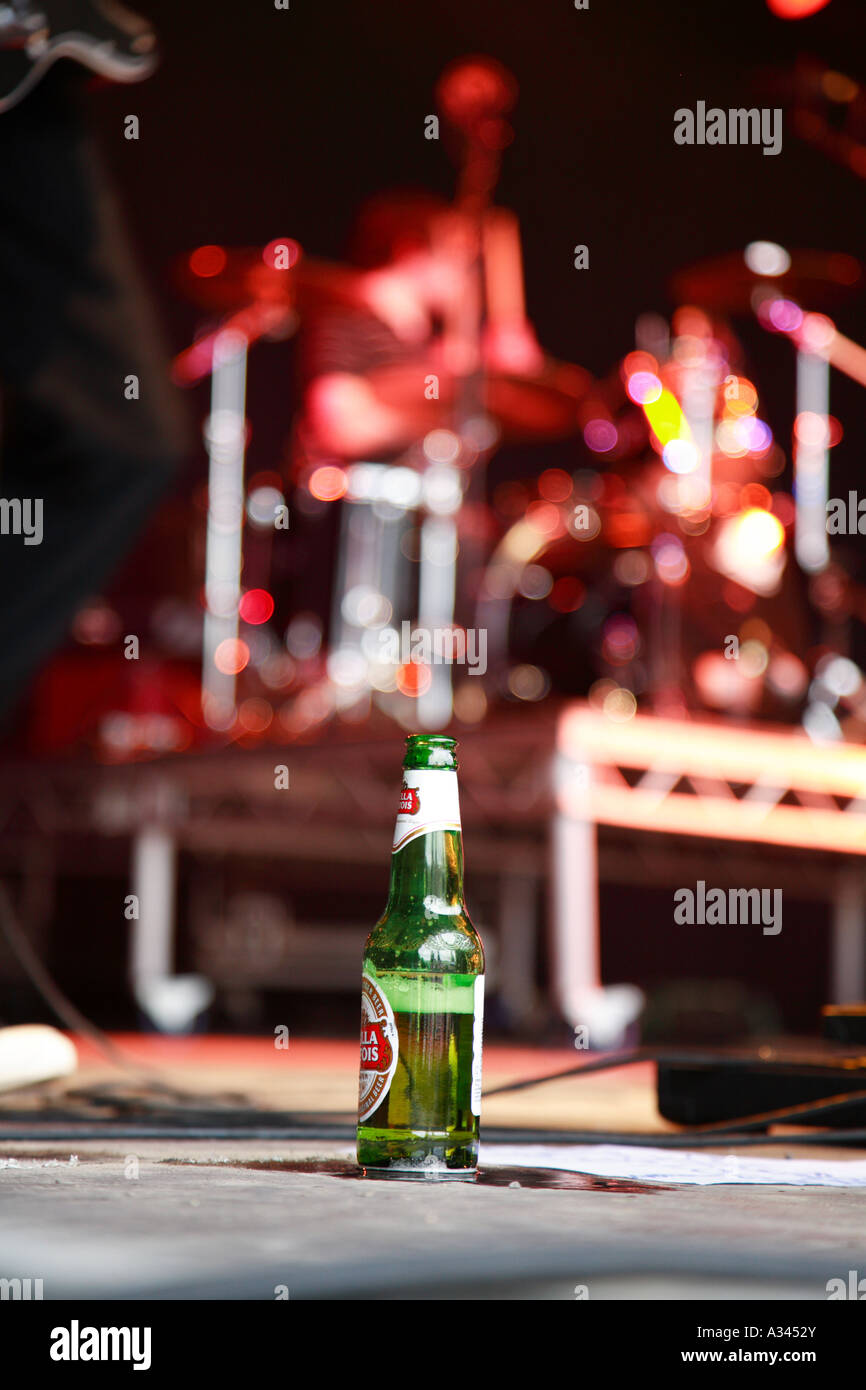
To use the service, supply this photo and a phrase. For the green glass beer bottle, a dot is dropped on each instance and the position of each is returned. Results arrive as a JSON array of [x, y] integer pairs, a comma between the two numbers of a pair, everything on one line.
[[422, 992]]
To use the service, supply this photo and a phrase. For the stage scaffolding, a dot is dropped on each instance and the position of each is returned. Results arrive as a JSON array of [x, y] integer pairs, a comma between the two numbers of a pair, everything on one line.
[[555, 800]]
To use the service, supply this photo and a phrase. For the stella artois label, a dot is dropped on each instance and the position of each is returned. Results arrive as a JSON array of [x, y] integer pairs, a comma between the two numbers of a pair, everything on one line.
[[428, 801], [378, 1047]]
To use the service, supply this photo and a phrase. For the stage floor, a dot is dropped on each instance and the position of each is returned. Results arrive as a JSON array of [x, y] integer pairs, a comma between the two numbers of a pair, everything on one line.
[[246, 1218]]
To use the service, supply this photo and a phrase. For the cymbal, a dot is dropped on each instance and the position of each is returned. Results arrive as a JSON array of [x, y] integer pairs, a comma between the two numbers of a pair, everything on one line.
[[816, 279], [530, 407], [539, 407]]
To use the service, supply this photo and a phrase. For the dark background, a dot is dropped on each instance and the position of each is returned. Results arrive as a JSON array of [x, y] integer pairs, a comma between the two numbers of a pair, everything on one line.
[[264, 123]]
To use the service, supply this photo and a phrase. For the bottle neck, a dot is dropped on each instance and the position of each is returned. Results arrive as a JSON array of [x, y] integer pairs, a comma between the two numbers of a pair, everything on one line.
[[427, 860], [427, 876]]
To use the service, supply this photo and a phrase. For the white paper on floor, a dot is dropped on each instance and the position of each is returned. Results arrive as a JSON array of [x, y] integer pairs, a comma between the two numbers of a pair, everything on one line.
[[676, 1165]]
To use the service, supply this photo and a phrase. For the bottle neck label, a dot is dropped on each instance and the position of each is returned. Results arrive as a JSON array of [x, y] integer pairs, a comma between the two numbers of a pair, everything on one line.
[[428, 802]]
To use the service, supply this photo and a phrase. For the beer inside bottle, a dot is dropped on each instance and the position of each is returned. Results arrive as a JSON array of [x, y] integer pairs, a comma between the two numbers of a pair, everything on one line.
[[422, 993]]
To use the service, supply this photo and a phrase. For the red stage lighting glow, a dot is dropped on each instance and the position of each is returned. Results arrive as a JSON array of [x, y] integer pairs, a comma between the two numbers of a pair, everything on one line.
[[544, 517], [643, 387], [329, 483], [817, 333], [758, 534], [474, 91], [206, 261], [639, 361], [795, 9], [256, 606], [671, 561], [785, 315], [555, 485], [567, 595], [255, 715], [755, 495], [414, 679], [819, 431], [231, 656], [600, 435]]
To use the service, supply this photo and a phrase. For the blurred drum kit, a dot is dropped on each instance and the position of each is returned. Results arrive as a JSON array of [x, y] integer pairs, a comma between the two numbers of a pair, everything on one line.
[[662, 541]]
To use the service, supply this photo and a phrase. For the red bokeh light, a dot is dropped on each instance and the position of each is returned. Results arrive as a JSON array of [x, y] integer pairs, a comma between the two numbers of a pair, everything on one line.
[[231, 656], [329, 483], [256, 606], [567, 594], [206, 261], [414, 679], [795, 9], [555, 485]]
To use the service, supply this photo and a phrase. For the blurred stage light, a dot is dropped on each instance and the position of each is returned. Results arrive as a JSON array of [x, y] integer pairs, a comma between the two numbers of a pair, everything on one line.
[[600, 436], [470, 702], [544, 517], [787, 675], [817, 431], [255, 715], [256, 606], [414, 678], [796, 9], [619, 705], [567, 595], [841, 676], [304, 636], [632, 568], [620, 640], [644, 388], [277, 671], [231, 656], [784, 315], [441, 446], [666, 418], [821, 724], [767, 258], [671, 561], [207, 261], [262, 504], [555, 484], [750, 549], [722, 684], [528, 682], [535, 582], [680, 456], [741, 397], [328, 483], [758, 533], [347, 668], [816, 333]]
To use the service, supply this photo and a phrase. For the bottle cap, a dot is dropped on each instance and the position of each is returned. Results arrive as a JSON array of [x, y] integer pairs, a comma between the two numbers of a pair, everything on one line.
[[435, 751]]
